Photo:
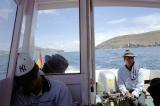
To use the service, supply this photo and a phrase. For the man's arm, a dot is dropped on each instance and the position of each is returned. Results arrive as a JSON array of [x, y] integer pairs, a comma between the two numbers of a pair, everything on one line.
[[140, 84], [65, 97], [121, 84]]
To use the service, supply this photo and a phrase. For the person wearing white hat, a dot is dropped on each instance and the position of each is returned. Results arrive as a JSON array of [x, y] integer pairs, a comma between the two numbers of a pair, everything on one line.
[[34, 89], [131, 80]]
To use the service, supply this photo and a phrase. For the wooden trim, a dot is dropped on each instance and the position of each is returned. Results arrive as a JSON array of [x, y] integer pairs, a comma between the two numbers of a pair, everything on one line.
[[6, 84], [53, 4], [84, 51]]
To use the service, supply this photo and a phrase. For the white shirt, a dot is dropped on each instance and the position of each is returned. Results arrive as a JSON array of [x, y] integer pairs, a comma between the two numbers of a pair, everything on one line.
[[131, 80]]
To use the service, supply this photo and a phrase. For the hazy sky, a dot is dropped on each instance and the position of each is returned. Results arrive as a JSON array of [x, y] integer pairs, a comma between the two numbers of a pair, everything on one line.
[[59, 28], [7, 19], [115, 21]]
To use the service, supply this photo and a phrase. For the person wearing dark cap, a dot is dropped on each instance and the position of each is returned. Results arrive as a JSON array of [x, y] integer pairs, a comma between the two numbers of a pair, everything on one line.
[[131, 80], [34, 89], [55, 64], [154, 90]]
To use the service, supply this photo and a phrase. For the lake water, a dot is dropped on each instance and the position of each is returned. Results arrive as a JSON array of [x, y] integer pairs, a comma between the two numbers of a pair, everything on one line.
[[148, 57]]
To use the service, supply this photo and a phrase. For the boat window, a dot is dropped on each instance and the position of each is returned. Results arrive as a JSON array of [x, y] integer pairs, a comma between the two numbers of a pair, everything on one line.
[[121, 28], [8, 10], [57, 41], [118, 28]]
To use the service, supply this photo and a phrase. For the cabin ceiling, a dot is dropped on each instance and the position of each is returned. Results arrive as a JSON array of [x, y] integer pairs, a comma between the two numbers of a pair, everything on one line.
[[54, 4]]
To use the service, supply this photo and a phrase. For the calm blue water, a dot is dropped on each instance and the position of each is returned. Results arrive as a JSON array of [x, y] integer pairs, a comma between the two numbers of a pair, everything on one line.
[[148, 58], [3, 65]]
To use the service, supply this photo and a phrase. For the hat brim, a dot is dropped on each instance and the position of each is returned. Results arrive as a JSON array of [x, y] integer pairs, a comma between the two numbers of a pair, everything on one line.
[[129, 56]]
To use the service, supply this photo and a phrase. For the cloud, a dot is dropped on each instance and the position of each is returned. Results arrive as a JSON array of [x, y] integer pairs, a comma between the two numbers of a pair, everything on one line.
[[55, 12], [4, 14], [69, 45], [151, 21], [101, 37], [73, 45], [139, 24], [119, 21], [132, 25]]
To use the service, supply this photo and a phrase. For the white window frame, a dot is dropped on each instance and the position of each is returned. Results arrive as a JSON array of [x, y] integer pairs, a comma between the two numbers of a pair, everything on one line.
[[6, 84]]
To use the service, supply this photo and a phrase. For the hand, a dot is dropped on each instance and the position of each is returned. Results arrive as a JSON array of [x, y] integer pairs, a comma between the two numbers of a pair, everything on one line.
[[133, 97], [128, 95]]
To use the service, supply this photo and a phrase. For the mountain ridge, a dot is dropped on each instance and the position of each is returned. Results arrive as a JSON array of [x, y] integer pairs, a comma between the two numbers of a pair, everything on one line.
[[146, 39], [36, 51]]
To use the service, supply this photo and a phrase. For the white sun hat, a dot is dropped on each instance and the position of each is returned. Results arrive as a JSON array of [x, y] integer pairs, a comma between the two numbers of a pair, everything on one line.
[[24, 64], [128, 53]]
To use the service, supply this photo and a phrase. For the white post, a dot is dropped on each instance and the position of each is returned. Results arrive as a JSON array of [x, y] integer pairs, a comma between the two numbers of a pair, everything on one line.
[[84, 53], [31, 16], [91, 51], [87, 52]]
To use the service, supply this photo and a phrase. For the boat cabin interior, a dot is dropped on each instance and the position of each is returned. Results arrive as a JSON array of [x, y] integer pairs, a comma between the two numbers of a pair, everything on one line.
[[21, 18]]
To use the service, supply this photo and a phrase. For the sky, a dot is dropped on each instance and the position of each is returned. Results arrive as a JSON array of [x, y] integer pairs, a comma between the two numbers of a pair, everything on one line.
[[117, 21], [7, 19], [59, 29]]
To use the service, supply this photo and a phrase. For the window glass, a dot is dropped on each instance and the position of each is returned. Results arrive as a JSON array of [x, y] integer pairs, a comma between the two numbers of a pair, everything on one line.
[[121, 28], [118, 29], [22, 34], [7, 19], [57, 40]]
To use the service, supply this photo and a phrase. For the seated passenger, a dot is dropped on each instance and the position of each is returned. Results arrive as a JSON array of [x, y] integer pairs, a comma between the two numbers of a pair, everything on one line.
[[34, 89], [154, 90], [55, 64], [131, 81]]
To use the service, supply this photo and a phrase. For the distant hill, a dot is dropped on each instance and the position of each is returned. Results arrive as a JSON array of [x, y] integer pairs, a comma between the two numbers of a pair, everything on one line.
[[146, 39], [2, 52], [47, 50], [37, 51]]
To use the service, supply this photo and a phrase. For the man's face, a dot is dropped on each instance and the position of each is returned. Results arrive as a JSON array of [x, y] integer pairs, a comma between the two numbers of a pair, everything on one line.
[[129, 61], [29, 85]]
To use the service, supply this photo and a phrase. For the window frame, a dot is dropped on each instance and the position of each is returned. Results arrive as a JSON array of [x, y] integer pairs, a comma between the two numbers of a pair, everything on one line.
[[43, 6]]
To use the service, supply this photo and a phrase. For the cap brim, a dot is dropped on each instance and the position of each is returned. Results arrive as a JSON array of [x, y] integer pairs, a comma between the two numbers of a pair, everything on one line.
[[129, 56]]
